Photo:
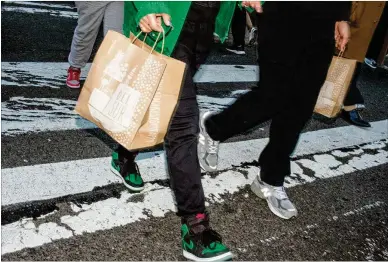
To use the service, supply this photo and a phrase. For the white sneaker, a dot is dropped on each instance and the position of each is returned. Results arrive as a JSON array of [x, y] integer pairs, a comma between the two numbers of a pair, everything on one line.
[[207, 147], [276, 197], [252, 35]]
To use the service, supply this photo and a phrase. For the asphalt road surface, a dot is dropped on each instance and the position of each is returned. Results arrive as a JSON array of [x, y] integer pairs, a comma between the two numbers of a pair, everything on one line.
[[61, 202]]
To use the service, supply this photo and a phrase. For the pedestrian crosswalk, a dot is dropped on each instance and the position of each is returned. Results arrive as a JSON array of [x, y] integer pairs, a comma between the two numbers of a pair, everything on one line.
[[319, 151], [55, 192]]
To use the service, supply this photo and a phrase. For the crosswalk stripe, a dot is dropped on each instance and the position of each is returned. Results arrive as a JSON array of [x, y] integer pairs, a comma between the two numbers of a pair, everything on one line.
[[48, 74], [27, 3], [78, 176], [158, 200], [21, 115], [33, 10]]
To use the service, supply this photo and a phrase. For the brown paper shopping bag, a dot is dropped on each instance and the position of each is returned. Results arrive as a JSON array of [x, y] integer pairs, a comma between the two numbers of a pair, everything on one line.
[[120, 86], [157, 119], [336, 86]]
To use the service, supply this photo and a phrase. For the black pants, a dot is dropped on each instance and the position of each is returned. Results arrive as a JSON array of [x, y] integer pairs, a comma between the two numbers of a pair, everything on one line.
[[378, 38], [238, 27], [354, 96], [182, 137], [294, 58]]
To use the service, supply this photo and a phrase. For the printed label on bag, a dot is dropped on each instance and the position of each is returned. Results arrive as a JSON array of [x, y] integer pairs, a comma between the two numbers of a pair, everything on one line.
[[117, 67], [328, 88], [116, 113]]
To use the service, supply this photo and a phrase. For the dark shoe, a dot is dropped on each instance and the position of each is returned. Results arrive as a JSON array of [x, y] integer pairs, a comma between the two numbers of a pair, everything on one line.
[[371, 63], [128, 171], [200, 242], [238, 50], [353, 117]]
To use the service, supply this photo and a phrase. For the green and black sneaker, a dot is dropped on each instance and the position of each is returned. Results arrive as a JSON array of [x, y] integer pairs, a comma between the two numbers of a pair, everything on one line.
[[128, 171], [200, 242]]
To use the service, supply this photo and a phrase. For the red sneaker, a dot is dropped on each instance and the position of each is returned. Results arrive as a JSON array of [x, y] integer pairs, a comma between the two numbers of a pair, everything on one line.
[[73, 75]]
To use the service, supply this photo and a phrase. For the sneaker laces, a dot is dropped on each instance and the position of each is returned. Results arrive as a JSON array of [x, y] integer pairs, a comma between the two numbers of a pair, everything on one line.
[[280, 192], [204, 234], [213, 146], [209, 238]]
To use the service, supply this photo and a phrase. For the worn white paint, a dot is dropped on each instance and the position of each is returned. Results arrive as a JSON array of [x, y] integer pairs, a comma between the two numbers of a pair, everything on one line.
[[36, 4], [32, 10], [49, 74], [37, 74], [79, 176], [21, 115], [158, 200], [227, 73], [333, 218], [364, 208]]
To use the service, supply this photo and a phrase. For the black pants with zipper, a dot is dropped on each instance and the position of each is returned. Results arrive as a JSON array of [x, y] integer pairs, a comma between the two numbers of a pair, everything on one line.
[[295, 52]]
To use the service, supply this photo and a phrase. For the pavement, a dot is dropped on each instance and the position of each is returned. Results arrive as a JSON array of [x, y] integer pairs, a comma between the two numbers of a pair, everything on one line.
[[60, 201]]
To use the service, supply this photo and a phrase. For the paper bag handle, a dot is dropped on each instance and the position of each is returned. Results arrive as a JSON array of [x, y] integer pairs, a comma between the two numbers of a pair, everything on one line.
[[340, 54], [156, 41]]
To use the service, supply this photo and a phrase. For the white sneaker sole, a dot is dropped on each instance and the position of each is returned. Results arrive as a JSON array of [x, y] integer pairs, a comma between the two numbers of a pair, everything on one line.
[[236, 51], [73, 87], [256, 189], [136, 189], [223, 257]]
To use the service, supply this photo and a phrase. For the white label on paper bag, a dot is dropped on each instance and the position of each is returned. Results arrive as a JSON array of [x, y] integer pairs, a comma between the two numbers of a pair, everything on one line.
[[117, 67], [328, 89], [115, 114]]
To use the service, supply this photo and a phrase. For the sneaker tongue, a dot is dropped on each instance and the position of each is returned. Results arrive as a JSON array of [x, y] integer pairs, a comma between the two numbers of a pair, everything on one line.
[[199, 223], [198, 228], [200, 216]]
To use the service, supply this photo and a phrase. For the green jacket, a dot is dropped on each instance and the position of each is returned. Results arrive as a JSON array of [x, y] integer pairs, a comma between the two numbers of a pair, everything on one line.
[[135, 10]]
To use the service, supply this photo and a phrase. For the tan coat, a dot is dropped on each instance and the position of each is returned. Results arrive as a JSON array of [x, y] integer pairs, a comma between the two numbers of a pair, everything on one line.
[[363, 20]]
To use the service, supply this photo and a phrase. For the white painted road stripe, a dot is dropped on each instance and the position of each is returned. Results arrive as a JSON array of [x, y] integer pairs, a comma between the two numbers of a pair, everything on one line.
[[29, 4], [53, 75], [36, 74], [21, 115], [64, 178], [158, 200], [227, 73], [31, 10]]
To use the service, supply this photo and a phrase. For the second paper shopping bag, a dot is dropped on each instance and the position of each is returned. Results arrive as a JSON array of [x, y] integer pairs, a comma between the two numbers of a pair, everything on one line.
[[335, 88]]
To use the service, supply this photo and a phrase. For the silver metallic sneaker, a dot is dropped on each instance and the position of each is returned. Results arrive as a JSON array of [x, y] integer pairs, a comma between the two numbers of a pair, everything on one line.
[[276, 197], [207, 147]]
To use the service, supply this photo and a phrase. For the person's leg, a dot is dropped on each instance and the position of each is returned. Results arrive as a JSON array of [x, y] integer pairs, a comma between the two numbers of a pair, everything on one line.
[[378, 36], [238, 32], [354, 96], [114, 17], [354, 102], [181, 144], [287, 125], [277, 69], [90, 15], [123, 161], [253, 29]]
